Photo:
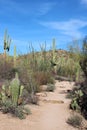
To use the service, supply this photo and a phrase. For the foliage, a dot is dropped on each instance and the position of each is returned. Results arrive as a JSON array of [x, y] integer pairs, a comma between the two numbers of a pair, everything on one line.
[[83, 61], [83, 105], [6, 69], [17, 111], [11, 99], [75, 120], [64, 67], [29, 98], [42, 78], [50, 87], [76, 99]]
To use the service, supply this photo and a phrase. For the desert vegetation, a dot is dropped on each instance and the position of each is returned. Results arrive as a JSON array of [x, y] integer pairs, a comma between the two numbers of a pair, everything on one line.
[[21, 77]]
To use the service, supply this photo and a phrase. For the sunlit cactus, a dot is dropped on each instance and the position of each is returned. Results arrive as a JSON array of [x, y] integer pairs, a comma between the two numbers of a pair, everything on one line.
[[7, 42], [53, 49], [21, 90], [3, 94], [14, 56], [15, 89]]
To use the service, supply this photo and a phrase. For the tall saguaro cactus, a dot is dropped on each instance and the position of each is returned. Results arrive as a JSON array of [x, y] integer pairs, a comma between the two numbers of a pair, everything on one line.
[[53, 49], [7, 42], [14, 56]]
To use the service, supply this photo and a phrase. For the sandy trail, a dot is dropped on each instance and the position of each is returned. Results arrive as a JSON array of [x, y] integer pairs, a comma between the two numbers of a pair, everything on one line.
[[48, 115]]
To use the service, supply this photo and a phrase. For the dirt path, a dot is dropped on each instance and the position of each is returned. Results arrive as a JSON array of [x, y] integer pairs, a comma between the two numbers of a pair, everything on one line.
[[51, 113]]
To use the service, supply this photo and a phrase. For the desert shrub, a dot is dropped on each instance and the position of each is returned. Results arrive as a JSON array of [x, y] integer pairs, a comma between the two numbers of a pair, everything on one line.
[[50, 87], [11, 99], [17, 111], [21, 111], [43, 64], [42, 78], [83, 61], [6, 70], [71, 93], [76, 100], [83, 105], [30, 83], [75, 120], [64, 68], [29, 98]]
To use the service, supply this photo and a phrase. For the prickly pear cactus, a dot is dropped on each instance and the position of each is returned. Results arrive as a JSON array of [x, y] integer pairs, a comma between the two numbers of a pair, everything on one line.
[[15, 89]]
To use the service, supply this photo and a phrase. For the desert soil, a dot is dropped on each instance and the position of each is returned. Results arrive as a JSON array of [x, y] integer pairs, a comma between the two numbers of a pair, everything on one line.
[[51, 113]]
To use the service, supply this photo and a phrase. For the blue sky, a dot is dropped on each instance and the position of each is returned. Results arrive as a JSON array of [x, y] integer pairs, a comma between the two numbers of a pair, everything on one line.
[[37, 21]]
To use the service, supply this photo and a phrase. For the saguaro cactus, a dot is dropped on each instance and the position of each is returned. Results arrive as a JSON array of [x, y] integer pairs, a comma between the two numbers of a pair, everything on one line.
[[16, 90], [53, 49], [7, 42], [15, 87], [14, 56]]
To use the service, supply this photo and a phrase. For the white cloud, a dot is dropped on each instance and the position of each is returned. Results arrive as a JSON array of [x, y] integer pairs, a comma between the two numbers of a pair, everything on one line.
[[70, 28], [26, 8], [45, 7]]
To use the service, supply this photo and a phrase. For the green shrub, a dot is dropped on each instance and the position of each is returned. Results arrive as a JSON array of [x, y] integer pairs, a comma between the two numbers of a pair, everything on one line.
[[21, 111], [64, 68], [10, 99], [76, 99], [83, 60], [50, 87], [17, 111], [42, 78], [6, 69], [75, 120]]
